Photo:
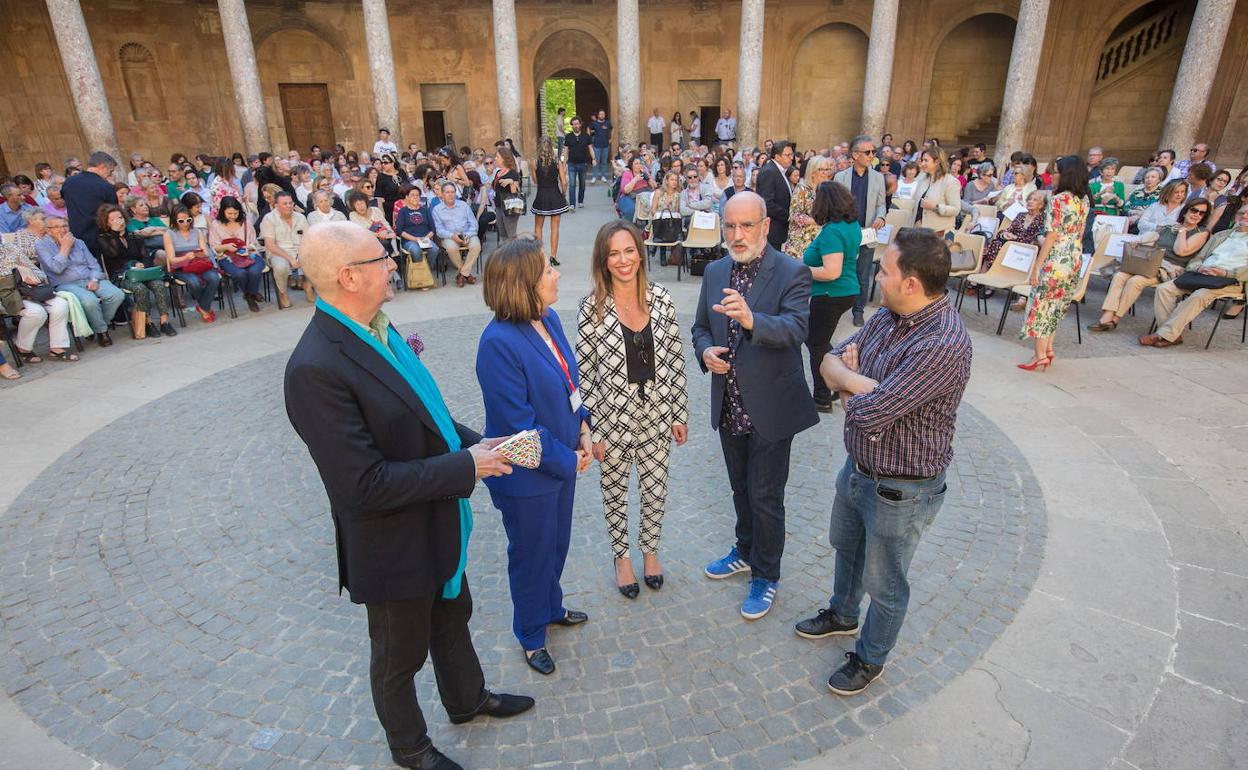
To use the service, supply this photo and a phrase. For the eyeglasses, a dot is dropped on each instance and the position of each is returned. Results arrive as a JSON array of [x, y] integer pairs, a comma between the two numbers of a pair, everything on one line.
[[745, 227], [362, 262]]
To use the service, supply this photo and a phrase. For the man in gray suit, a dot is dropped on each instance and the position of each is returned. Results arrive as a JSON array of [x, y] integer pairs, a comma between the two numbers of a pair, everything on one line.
[[751, 322], [867, 186]]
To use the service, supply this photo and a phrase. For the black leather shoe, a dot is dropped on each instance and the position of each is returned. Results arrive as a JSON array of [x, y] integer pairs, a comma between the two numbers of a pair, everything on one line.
[[541, 662], [167, 329], [427, 759], [104, 339], [654, 582], [573, 618], [630, 591], [498, 704], [826, 623], [853, 677], [858, 319], [153, 330]]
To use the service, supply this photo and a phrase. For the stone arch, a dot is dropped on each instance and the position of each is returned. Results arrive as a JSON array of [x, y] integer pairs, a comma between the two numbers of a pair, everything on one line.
[[825, 88], [142, 83], [571, 50], [327, 35], [968, 79]]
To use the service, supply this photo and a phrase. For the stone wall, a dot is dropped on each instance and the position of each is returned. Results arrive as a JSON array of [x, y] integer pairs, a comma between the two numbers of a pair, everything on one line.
[[323, 41], [968, 77]]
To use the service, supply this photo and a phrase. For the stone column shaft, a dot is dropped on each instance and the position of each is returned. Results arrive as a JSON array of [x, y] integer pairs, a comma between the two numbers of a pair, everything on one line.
[[1020, 81], [507, 69], [381, 65], [83, 73], [879, 77], [750, 73], [628, 72], [1197, 71], [245, 76]]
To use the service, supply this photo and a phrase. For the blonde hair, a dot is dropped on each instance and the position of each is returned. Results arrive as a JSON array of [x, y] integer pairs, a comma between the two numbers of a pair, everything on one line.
[[812, 167]]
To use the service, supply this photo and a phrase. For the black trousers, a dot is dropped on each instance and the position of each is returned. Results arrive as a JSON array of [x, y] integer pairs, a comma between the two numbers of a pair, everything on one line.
[[757, 472], [866, 266], [825, 312], [656, 140], [405, 633]]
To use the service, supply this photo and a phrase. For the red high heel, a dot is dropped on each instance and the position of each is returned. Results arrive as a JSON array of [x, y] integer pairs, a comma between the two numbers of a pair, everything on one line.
[[1041, 364]]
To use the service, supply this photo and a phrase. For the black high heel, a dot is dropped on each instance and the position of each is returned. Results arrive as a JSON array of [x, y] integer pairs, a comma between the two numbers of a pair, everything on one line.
[[654, 582], [630, 591], [554, 262]]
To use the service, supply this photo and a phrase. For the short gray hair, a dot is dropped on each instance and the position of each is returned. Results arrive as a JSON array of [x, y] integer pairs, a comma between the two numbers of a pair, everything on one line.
[[985, 167], [857, 140], [30, 214], [1110, 161], [446, 182], [100, 159], [7, 188]]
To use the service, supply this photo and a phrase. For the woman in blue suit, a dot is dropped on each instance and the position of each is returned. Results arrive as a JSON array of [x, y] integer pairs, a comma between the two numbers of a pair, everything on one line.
[[528, 377]]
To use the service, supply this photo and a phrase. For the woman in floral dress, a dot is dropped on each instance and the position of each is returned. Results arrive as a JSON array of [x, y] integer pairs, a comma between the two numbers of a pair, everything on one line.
[[802, 226], [1056, 270]]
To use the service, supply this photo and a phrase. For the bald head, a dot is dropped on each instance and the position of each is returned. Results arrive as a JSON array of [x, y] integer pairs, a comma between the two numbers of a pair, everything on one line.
[[745, 226], [327, 246], [745, 204]]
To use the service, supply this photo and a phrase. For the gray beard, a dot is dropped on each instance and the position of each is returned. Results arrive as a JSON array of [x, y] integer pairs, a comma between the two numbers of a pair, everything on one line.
[[749, 256]]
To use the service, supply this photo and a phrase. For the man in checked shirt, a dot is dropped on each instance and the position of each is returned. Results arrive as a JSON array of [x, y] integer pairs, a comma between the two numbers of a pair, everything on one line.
[[901, 378]]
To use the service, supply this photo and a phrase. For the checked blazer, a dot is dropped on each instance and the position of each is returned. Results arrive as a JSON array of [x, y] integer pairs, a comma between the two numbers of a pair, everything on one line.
[[604, 371]]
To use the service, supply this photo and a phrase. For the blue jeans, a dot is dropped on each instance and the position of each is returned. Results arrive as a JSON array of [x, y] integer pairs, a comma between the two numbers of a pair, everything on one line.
[[627, 205], [100, 305], [246, 278], [201, 287], [602, 162], [414, 251], [576, 183], [757, 473], [866, 266], [875, 538]]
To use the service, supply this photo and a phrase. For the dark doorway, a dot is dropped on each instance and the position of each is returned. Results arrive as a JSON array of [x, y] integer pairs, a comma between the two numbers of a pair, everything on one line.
[[709, 116], [4, 164], [305, 109], [435, 129], [589, 93]]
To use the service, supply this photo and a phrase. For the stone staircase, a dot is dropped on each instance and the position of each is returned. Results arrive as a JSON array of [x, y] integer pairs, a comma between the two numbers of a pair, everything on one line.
[[985, 131], [1142, 44]]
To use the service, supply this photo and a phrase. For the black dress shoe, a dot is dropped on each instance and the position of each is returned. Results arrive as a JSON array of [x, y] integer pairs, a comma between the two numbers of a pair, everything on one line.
[[853, 677], [573, 618], [426, 759], [630, 591], [167, 329], [858, 319], [252, 304], [654, 582], [103, 339], [541, 662], [153, 330], [498, 704], [826, 623]]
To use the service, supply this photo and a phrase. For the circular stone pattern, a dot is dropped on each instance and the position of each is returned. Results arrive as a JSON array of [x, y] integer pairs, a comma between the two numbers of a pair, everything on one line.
[[168, 599]]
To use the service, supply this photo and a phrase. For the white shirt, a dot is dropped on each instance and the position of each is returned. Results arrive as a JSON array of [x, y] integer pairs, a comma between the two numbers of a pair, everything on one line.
[[726, 128], [695, 128], [656, 124], [383, 148]]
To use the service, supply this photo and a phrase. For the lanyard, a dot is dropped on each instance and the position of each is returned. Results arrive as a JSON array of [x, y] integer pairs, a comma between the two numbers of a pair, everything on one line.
[[562, 364]]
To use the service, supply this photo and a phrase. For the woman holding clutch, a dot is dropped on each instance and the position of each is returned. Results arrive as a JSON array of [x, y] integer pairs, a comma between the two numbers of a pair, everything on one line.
[[529, 381], [629, 354]]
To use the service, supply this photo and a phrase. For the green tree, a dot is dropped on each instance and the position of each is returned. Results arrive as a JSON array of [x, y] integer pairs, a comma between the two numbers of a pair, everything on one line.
[[559, 93]]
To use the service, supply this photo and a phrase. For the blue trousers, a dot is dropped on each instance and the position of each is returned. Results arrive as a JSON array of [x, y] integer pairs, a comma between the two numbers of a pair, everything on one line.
[[576, 183], [539, 530], [202, 287], [875, 538], [100, 305], [602, 162], [866, 265], [246, 278]]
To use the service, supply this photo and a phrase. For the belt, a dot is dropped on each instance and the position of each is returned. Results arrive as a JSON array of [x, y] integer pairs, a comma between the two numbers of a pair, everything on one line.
[[874, 475]]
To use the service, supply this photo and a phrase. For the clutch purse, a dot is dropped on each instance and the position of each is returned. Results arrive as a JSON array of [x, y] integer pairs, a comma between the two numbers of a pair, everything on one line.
[[523, 449]]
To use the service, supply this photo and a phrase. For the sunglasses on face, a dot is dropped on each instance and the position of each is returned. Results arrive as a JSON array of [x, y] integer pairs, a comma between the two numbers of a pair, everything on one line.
[[182, 221]]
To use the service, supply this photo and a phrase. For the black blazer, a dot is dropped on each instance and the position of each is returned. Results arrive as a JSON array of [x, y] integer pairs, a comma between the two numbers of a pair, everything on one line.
[[393, 487], [775, 192], [769, 363]]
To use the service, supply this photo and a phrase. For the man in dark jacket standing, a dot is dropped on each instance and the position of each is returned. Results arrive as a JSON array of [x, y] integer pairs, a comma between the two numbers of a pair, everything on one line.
[[84, 194], [773, 185], [398, 472]]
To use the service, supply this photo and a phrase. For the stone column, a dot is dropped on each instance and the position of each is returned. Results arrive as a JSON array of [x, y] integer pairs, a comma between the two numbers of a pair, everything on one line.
[[381, 64], [879, 78], [83, 74], [507, 69], [1020, 81], [244, 75], [750, 73], [1197, 71], [628, 72]]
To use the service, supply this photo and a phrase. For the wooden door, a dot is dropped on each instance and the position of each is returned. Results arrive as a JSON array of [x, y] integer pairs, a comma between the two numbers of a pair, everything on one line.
[[305, 109], [435, 129]]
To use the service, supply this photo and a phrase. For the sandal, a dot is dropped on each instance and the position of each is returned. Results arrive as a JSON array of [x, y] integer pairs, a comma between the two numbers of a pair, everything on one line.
[[9, 373], [1103, 326], [29, 356], [62, 355]]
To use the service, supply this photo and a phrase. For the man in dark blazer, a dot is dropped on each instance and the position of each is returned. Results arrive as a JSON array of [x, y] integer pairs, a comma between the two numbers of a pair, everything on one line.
[[380, 435], [773, 185], [751, 323]]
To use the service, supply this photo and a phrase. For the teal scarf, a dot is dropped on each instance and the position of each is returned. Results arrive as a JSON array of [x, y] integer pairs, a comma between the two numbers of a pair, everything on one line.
[[406, 363]]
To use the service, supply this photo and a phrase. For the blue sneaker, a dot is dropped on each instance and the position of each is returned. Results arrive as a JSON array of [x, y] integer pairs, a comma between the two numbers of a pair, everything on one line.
[[758, 603], [727, 566]]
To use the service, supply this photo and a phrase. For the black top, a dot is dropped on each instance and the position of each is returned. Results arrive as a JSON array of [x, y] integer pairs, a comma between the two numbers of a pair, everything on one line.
[[578, 147], [84, 193], [513, 176], [639, 353], [388, 190], [118, 251]]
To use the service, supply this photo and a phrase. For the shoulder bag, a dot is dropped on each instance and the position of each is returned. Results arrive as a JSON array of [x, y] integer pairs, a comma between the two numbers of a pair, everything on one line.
[[38, 293], [1141, 259], [1194, 281]]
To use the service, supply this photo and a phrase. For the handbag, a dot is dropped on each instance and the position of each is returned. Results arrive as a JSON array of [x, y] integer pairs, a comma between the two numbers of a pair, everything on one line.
[[144, 274], [38, 293], [240, 258], [198, 265], [962, 260], [1194, 281], [417, 275], [1141, 259], [666, 229], [514, 205]]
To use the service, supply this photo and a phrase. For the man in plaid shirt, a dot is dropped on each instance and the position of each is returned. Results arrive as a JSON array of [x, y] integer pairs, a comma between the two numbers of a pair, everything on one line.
[[901, 378]]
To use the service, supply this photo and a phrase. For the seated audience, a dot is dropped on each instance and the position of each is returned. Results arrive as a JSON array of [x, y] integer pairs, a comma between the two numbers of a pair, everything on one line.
[[121, 250], [11, 210], [233, 240], [691, 198], [55, 205], [1220, 270], [1027, 227], [1108, 194], [909, 181], [282, 230], [1166, 210], [370, 218], [323, 207], [72, 267], [188, 258], [456, 225], [980, 187], [1144, 196], [1179, 244], [1198, 178], [413, 224], [19, 260]]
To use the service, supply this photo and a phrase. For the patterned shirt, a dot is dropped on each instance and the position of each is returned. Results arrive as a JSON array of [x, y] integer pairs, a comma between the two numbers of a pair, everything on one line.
[[922, 362], [733, 416]]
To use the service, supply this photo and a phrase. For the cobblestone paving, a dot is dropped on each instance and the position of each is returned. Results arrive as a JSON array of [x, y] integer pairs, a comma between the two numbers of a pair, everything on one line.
[[167, 601]]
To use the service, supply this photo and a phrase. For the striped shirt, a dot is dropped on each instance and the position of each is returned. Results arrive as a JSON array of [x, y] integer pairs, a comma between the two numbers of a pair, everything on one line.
[[922, 362]]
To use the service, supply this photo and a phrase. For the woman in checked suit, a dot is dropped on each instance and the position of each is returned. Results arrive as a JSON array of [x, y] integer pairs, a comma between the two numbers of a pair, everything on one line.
[[632, 370]]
